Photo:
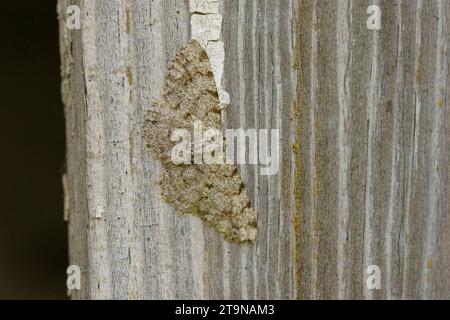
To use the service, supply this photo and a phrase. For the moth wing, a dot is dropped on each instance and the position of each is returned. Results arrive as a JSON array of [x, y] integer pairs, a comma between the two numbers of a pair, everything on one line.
[[216, 193]]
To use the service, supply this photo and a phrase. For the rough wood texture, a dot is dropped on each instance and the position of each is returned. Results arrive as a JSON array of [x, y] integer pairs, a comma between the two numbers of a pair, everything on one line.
[[112, 69], [364, 151], [375, 149]]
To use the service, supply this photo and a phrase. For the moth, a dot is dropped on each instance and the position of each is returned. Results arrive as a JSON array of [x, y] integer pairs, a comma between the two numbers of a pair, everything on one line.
[[214, 192]]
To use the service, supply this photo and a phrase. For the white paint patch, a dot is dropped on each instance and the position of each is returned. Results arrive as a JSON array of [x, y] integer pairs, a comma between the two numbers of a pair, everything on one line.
[[99, 212], [206, 28], [204, 6]]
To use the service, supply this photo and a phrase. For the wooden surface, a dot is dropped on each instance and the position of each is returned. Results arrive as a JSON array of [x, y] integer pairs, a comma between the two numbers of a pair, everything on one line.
[[364, 151], [374, 149]]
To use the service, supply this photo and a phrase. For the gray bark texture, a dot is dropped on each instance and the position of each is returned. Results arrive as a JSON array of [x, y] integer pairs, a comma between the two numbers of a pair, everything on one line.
[[364, 151]]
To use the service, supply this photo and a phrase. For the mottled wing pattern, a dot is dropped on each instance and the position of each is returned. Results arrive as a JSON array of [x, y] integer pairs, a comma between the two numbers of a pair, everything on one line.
[[215, 192]]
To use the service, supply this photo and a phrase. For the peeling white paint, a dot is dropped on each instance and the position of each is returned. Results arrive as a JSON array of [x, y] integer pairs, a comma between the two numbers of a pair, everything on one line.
[[206, 28], [204, 6], [99, 212]]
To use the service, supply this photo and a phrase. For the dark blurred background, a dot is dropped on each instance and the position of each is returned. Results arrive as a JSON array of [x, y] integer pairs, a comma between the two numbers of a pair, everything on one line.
[[33, 244]]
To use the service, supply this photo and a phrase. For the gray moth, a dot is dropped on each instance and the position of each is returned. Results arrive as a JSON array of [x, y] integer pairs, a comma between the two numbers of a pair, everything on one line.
[[214, 192]]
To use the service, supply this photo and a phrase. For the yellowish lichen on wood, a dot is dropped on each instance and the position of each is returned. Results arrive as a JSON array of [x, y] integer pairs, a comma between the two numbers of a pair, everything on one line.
[[420, 65], [296, 148], [128, 21]]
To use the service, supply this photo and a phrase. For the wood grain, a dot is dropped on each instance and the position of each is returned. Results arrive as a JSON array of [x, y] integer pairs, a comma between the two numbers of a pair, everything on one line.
[[364, 151]]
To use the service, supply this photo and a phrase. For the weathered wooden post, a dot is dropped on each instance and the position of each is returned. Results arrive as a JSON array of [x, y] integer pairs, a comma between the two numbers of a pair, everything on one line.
[[359, 93]]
